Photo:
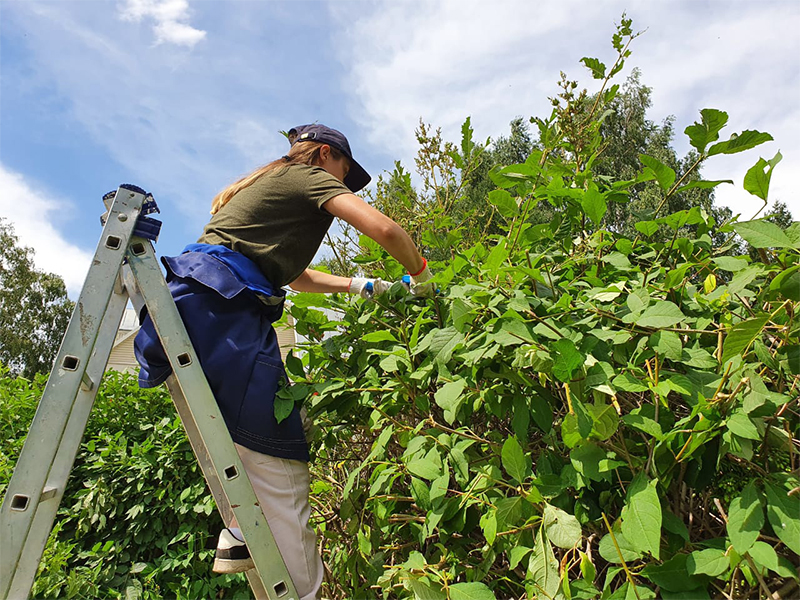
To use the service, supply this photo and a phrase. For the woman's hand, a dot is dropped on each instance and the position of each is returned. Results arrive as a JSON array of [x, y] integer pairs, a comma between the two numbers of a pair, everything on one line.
[[420, 283], [368, 288]]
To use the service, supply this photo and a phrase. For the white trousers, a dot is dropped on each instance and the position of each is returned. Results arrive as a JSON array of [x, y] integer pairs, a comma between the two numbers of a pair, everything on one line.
[[282, 487]]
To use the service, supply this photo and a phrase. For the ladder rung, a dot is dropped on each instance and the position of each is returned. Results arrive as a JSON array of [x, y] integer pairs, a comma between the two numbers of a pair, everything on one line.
[[49, 492], [87, 382]]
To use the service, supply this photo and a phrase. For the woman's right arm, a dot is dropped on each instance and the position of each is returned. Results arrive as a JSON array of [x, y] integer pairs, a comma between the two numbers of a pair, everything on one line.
[[374, 224]]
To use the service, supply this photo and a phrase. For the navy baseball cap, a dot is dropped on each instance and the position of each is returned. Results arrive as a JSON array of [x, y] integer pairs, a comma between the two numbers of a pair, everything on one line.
[[357, 178]]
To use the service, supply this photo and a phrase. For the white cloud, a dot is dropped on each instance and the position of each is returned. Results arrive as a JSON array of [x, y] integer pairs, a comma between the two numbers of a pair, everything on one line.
[[444, 61], [31, 211], [170, 18]]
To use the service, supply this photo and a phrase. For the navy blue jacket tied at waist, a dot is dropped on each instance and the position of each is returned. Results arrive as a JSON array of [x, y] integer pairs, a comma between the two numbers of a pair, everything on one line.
[[228, 308]]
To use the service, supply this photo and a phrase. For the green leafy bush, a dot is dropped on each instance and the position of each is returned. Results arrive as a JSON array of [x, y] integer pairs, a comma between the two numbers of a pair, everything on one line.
[[136, 520], [580, 413]]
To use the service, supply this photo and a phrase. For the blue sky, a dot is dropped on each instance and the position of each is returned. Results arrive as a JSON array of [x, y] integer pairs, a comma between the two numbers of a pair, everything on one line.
[[184, 96]]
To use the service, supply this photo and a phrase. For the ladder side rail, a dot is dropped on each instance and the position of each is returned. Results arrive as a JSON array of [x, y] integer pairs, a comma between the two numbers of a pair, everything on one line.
[[195, 440], [208, 420], [67, 375], [185, 414], [25, 572], [207, 467]]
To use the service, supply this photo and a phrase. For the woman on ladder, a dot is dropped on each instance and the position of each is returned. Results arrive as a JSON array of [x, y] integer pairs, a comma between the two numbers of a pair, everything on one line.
[[264, 233]]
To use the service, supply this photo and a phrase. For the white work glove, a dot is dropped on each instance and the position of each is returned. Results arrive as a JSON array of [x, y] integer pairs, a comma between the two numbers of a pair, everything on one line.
[[368, 288], [420, 284]]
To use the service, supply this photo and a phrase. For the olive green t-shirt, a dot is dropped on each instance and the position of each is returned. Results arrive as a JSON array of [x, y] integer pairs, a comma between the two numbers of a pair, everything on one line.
[[278, 222]]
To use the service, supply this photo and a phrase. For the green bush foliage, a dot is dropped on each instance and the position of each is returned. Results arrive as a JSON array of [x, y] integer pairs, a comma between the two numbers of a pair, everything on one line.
[[580, 413], [136, 520]]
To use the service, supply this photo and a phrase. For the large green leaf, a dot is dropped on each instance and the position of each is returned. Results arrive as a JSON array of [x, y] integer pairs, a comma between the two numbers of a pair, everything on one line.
[[757, 178], [731, 263], [664, 174], [488, 523], [439, 487], [667, 344], [764, 555], [745, 519], [628, 383], [463, 314], [783, 512], [675, 525], [474, 590], [515, 462], [708, 562], [741, 142], [707, 131], [586, 460], [605, 420], [644, 424], [703, 185], [444, 342], [594, 205], [741, 336], [588, 569], [583, 417], [425, 591], [618, 260], [740, 424], [646, 228], [597, 68], [516, 554], [567, 359], [509, 512], [562, 528], [641, 516], [450, 397], [283, 407], [379, 336], [763, 234], [428, 467], [682, 218], [609, 552], [570, 434], [505, 203], [793, 358], [521, 420], [662, 314], [788, 283], [543, 569]]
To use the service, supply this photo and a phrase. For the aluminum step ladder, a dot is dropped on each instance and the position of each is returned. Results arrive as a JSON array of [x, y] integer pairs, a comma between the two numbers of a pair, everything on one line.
[[124, 268]]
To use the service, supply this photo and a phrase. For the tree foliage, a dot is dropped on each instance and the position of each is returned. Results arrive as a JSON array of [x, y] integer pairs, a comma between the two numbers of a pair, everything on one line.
[[136, 519], [590, 408], [34, 309]]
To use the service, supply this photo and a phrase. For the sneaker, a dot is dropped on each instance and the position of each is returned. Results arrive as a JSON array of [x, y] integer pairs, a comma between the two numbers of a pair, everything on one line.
[[232, 554]]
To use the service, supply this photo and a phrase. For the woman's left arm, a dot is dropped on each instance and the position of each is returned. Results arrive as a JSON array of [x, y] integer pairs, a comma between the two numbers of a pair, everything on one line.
[[317, 281]]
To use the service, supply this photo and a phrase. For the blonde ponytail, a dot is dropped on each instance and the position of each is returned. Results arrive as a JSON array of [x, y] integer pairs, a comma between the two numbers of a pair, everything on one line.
[[306, 153]]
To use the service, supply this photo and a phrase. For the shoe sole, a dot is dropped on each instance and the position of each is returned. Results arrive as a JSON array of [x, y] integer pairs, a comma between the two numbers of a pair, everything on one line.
[[228, 565]]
